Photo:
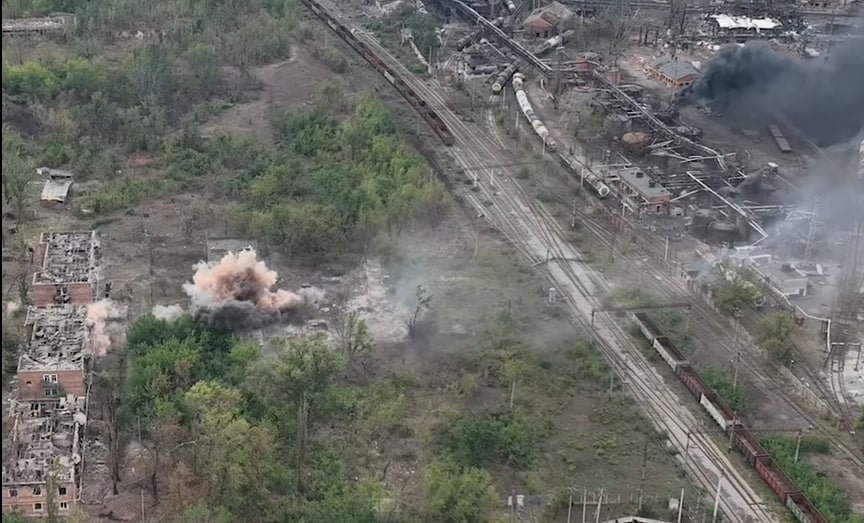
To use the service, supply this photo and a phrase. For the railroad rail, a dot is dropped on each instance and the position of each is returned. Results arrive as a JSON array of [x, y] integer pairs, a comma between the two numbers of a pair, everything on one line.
[[789, 494], [422, 106]]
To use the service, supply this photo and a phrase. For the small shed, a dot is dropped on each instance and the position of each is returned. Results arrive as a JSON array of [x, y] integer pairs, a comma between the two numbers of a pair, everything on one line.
[[545, 21], [57, 185], [674, 73]]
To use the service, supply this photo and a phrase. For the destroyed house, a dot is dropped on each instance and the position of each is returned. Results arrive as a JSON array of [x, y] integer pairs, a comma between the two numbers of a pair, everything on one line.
[[67, 268], [57, 360], [42, 457]]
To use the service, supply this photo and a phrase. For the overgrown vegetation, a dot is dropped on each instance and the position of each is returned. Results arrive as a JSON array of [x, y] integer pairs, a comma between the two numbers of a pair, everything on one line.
[[193, 388], [735, 291], [830, 500], [723, 383], [420, 27], [330, 183], [774, 336]]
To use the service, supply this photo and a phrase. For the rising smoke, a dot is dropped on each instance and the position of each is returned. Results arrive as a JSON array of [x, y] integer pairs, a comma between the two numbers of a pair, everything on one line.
[[238, 293], [98, 315], [822, 98]]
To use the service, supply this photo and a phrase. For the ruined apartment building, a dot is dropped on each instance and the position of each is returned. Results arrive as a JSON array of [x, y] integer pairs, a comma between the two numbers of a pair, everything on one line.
[[42, 457], [57, 360], [67, 268]]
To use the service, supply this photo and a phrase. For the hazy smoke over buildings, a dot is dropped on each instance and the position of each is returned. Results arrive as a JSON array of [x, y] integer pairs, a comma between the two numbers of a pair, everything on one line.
[[754, 84], [238, 292]]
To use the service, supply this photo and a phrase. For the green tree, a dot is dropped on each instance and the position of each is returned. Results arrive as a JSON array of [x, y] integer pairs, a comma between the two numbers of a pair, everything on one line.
[[458, 495], [17, 174], [774, 335], [239, 456], [301, 374], [353, 339], [736, 291]]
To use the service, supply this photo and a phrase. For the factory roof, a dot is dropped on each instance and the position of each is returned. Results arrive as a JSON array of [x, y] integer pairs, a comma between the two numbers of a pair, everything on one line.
[[675, 69], [645, 186], [59, 339], [67, 257], [548, 17], [743, 22]]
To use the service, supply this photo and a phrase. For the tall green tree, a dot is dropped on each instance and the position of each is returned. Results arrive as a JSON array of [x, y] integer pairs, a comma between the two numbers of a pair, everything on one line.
[[239, 456], [774, 335], [301, 374]]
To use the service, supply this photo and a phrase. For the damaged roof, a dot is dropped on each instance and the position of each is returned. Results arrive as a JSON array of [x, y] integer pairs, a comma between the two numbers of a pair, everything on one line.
[[60, 338], [743, 22]]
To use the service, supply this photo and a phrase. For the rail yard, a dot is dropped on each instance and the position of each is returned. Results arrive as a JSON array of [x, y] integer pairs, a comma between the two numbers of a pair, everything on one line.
[[579, 284], [683, 181]]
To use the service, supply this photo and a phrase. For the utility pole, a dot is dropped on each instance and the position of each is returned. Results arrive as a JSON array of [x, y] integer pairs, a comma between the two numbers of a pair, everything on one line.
[[680, 505], [798, 446], [599, 506], [717, 499], [735, 377], [570, 504], [584, 503]]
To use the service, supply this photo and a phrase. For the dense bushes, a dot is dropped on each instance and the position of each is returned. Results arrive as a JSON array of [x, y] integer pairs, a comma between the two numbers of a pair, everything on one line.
[[331, 182], [833, 504]]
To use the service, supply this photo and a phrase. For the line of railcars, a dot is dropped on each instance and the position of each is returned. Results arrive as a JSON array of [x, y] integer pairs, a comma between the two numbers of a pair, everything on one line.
[[525, 106], [416, 101], [717, 408]]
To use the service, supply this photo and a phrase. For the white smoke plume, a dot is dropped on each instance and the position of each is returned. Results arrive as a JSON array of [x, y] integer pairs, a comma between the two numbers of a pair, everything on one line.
[[239, 292], [167, 312], [98, 316]]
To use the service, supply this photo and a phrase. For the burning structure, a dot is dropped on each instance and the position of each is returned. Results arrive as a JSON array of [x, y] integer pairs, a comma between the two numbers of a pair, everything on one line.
[[753, 84], [67, 272]]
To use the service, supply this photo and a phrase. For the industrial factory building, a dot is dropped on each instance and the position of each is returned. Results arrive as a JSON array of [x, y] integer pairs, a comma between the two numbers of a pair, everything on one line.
[[546, 21], [67, 268], [642, 192], [673, 73]]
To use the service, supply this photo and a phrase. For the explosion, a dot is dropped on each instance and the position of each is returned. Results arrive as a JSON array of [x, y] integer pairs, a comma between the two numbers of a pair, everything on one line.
[[238, 292]]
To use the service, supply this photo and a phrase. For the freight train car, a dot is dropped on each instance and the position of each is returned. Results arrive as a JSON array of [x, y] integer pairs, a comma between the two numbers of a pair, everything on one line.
[[418, 103], [741, 438], [525, 106]]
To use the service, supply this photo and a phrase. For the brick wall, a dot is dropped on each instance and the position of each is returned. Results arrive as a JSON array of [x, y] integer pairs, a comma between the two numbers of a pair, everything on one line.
[[26, 502], [79, 293], [32, 388]]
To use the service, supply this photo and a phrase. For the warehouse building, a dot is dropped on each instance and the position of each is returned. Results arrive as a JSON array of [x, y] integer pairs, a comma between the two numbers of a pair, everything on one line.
[[547, 21], [673, 73]]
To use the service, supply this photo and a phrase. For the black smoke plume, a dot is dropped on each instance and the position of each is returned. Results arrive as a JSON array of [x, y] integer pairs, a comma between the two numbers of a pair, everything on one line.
[[755, 85]]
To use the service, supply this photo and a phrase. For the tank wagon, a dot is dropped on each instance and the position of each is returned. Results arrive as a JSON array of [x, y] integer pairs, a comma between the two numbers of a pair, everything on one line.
[[525, 106]]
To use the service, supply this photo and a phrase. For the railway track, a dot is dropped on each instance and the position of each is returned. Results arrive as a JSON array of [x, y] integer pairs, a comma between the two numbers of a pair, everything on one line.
[[663, 284], [533, 232]]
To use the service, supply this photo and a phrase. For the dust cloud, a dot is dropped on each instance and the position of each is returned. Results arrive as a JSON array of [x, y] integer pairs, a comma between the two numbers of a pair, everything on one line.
[[239, 292], [98, 315]]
